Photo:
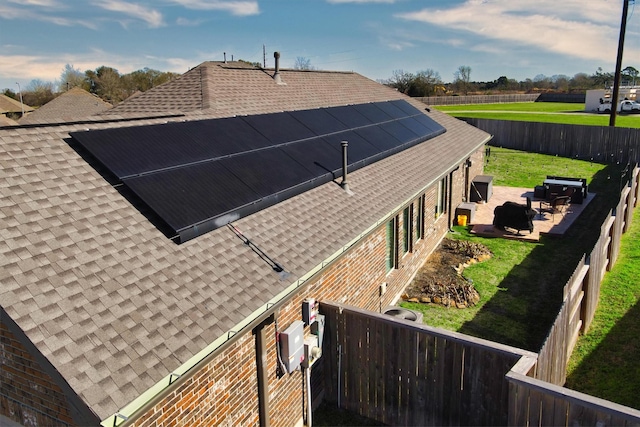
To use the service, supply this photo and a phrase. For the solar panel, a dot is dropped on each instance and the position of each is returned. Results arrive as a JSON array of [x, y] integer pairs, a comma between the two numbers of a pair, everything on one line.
[[372, 112], [349, 116], [319, 121], [377, 137], [199, 175], [319, 155], [392, 110], [186, 197], [279, 128]]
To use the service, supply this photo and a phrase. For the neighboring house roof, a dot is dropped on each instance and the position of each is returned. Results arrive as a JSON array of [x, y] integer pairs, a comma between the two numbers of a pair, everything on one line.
[[6, 121], [10, 105], [74, 104], [235, 88], [111, 302]]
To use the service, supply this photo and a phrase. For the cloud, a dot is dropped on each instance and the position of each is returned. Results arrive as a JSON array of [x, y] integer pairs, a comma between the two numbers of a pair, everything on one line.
[[24, 68], [152, 17], [579, 29], [361, 1], [25, 14], [235, 7], [41, 3], [185, 22]]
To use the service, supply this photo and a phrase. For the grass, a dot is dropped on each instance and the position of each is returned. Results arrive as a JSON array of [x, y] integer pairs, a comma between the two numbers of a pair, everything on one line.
[[521, 285], [529, 107], [547, 112], [604, 362]]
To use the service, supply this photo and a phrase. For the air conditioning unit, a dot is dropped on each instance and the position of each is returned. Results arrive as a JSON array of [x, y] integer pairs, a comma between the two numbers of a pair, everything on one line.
[[403, 313]]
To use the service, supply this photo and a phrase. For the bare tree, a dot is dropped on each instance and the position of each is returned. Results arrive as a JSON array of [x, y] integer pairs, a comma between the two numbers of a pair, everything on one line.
[[462, 77], [400, 80], [38, 93], [425, 83], [303, 63]]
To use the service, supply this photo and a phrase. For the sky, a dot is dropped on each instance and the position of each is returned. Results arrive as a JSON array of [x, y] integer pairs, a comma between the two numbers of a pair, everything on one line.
[[518, 39]]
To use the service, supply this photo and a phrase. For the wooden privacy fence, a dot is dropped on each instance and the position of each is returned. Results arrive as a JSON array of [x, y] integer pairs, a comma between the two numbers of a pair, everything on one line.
[[582, 291], [480, 99], [404, 373], [602, 144]]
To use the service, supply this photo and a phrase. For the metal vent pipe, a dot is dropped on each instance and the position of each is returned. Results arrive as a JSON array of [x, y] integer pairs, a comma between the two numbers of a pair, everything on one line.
[[276, 74], [344, 184]]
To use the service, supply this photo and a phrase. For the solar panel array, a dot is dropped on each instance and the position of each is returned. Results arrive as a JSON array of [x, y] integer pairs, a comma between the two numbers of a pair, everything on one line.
[[200, 175]]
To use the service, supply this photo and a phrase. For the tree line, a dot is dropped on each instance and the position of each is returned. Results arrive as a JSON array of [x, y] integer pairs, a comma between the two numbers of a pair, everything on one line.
[[105, 82], [429, 83], [113, 87]]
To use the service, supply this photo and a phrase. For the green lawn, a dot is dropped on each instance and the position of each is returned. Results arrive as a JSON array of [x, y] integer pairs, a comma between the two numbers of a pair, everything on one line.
[[548, 112], [529, 107], [521, 285]]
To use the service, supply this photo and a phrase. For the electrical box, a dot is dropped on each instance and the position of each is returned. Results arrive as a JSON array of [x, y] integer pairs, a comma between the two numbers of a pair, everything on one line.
[[309, 311], [317, 328], [292, 345], [312, 351]]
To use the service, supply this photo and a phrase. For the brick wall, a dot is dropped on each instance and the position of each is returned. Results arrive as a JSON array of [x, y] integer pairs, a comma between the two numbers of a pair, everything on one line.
[[28, 394], [225, 391]]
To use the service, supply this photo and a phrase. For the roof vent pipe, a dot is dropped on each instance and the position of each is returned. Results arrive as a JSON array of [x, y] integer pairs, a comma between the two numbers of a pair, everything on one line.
[[276, 74], [344, 184]]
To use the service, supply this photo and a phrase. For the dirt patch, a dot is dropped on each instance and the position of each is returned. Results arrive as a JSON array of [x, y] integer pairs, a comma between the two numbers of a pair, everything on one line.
[[441, 281]]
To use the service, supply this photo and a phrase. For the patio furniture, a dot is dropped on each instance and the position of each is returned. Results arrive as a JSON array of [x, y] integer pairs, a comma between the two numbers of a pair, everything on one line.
[[514, 215], [557, 205], [578, 184]]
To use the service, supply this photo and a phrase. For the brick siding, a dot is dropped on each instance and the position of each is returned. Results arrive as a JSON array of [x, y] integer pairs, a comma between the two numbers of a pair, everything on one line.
[[28, 395]]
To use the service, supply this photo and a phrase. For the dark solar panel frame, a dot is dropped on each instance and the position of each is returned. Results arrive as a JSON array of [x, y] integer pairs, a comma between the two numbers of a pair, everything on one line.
[[197, 176]]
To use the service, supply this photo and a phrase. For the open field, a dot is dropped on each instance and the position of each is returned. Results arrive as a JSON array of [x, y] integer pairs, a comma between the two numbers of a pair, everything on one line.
[[547, 112], [530, 107]]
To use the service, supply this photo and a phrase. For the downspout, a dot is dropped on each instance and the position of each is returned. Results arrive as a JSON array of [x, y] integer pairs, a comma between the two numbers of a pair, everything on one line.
[[307, 377], [262, 372], [450, 201]]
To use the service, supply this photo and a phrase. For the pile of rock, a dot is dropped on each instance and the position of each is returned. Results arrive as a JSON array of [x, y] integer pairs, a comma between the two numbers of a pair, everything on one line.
[[440, 280]]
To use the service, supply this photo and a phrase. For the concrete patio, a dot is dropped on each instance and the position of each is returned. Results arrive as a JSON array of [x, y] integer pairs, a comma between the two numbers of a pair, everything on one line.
[[543, 223]]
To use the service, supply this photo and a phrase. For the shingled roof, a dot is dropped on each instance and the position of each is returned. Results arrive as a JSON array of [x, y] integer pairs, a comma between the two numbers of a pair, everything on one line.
[[226, 89], [111, 302], [74, 104], [10, 105]]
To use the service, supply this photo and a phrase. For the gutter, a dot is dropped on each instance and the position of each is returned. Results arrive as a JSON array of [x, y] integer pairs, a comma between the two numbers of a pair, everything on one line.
[[152, 396]]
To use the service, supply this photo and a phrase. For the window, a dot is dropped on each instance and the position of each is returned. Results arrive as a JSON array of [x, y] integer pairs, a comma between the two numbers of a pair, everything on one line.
[[442, 197], [407, 219], [419, 229], [392, 244]]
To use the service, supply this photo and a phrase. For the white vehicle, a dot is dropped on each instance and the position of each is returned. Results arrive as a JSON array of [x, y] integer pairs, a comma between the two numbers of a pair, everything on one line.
[[625, 106]]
